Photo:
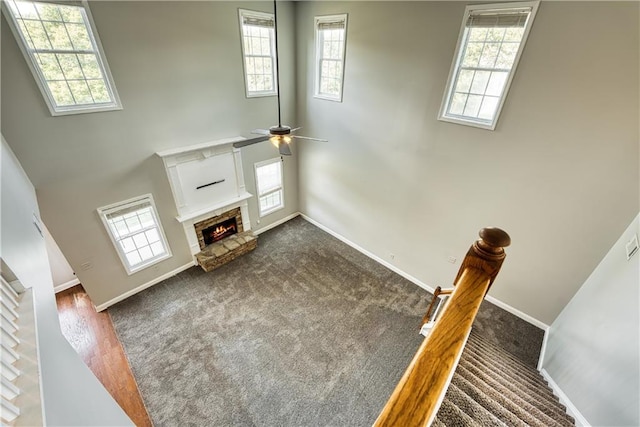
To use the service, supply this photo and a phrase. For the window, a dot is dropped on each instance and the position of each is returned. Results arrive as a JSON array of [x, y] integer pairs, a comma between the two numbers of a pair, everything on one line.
[[489, 47], [136, 232], [258, 51], [64, 53], [269, 184], [330, 46]]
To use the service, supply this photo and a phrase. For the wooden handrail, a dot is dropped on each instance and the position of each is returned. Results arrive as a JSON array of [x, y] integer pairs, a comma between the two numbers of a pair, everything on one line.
[[417, 397]]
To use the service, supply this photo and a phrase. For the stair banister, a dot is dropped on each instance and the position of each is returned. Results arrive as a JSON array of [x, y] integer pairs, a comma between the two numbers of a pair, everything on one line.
[[417, 397]]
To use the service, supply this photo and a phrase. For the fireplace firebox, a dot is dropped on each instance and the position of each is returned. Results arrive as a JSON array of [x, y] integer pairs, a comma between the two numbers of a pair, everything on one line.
[[219, 231]]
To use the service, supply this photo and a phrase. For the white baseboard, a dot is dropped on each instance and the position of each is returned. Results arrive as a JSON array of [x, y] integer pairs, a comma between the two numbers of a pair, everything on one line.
[[370, 255], [418, 282], [581, 421], [518, 313], [63, 287], [276, 223], [144, 286]]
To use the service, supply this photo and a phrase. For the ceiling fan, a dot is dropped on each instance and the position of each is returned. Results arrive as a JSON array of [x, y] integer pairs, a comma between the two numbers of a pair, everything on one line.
[[280, 135]]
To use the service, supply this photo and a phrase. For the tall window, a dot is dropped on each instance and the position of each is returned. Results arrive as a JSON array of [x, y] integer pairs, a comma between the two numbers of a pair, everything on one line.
[[64, 53], [258, 51], [330, 47], [269, 185], [491, 41], [136, 232]]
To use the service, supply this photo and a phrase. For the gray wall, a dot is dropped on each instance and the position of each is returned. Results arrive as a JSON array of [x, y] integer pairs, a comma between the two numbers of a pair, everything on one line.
[[178, 69], [593, 350], [72, 396], [559, 173]]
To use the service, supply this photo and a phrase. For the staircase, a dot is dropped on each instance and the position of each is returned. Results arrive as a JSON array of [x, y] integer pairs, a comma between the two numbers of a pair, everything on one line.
[[492, 388]]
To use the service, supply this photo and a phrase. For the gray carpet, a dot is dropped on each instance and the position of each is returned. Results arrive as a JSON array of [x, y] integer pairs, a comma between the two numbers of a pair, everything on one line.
[[304, 331]]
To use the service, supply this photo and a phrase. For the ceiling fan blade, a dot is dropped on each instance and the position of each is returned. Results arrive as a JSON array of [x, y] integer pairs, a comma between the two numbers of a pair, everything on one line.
[[309, 138], [295, 129], [260, 132], [250, 141], [284, 149]]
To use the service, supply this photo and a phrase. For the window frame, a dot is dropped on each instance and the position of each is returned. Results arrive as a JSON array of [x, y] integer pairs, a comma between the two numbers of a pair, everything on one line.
[[39, 77], [317, 20], [260, 15], [280, 189], [115, 207], [458, 56]]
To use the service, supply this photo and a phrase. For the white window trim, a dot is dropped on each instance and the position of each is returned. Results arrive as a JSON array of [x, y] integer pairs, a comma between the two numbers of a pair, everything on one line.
[[262, 213], [103, 211], [457, 57], [40, 79], [257, 94], [317, 20]]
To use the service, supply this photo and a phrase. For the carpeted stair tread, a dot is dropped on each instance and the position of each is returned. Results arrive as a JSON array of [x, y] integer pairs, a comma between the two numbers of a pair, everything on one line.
[[507, 398], [490, 349], [506, 358], [496, 359], [470, 407], [488, 402], [503, 383], [449, 411], [493, 388], [496, 369]]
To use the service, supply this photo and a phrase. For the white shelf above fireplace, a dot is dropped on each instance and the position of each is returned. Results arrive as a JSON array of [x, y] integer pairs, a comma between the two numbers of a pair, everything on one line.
[[212, 208]]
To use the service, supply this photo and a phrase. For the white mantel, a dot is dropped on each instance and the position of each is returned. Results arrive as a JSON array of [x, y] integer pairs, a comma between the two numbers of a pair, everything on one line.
[[206, 180]]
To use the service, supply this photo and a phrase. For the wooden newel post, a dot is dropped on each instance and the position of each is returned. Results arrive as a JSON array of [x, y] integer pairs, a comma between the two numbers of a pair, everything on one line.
[[419, 393], [486, 253]]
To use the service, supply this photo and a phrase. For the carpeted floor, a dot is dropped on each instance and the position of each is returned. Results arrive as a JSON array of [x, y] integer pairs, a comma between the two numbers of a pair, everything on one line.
[[303, 331]]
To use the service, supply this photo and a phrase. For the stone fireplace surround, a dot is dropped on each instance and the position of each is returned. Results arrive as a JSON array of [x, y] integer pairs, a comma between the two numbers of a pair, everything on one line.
[[225, 250], [202, 225]]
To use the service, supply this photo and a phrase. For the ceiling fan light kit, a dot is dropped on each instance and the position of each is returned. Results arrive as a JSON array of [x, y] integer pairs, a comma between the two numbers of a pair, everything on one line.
[[280, 135]]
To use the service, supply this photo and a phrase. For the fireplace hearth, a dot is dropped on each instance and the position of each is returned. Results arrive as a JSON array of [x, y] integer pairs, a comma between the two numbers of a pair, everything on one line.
[[222, 239]]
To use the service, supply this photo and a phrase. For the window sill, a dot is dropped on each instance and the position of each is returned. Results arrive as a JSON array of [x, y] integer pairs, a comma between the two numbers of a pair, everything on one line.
[[147, 264], [460, 121], [328, 98], [85, 110], [270, 211], [261, 95]]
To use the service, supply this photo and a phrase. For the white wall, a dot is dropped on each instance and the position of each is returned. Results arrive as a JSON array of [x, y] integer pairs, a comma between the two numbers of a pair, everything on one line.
[[178, 69], [593, 350], [62, 274], [72, 395], [560, 172]]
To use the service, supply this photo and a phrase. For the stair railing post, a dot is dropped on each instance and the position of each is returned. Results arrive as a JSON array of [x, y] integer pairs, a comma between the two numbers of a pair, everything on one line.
[[417, 397], [487, 253]]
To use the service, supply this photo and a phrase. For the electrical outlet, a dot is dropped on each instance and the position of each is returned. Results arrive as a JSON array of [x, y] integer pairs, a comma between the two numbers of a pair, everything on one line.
[[452, 259]]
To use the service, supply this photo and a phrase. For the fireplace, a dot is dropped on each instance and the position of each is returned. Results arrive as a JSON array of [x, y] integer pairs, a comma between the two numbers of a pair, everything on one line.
[[219, 231], [218, 227], [222, 239]]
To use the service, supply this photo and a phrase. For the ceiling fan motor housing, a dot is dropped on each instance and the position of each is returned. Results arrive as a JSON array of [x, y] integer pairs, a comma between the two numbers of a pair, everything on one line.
[[280, 130]]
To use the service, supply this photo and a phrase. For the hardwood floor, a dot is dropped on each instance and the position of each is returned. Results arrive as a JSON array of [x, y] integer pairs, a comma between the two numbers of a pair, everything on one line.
[[92, 335]]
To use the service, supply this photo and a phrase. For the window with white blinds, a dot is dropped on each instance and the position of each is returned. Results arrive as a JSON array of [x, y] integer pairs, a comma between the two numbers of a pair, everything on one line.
[[136, 232], [64, 53], [490, 45], [258, 52], [270, 187], [331, 32]]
